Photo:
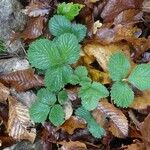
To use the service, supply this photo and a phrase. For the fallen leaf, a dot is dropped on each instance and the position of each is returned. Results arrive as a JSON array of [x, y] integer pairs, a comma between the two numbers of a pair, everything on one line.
[[19, 121], [136, 146], [68, 110], [38, 8], [22, 80], [146, 6], [71, 145], [114, 7], [4, 93], [141, 101], [145, 130], [96, 25], [72, 124], [33, 29], [102, 53], [119, 122]]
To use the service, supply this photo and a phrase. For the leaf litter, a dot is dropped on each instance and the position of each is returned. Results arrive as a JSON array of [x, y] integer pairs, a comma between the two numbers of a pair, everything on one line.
[[112, 26]]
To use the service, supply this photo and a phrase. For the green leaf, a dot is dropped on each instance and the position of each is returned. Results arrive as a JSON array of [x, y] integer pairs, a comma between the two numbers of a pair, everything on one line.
[[56, 115], [122, 94], [79, 31], [56, 78], [62, 97], [46, 97], [39, 111], [95, 129], [83, 113], [39, 54], [80, 76], [69, 10], [140, 77], [59, 24], [2, 46], [91, 94], [68, 48], [118, 66]]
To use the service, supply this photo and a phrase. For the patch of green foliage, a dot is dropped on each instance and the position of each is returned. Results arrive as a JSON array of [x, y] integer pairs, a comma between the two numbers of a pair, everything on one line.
[[55, 57], [2, 46], [119, 68], [69, 10]]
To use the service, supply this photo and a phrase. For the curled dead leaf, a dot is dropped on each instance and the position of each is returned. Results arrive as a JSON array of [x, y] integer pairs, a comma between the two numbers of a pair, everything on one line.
[[22, 80], [19, 121], [142, 101], [73, 146], [4, 93], [72, 124], [119, 122]]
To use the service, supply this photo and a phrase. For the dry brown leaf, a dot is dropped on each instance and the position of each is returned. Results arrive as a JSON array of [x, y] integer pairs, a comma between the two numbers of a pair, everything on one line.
[[102, 52], [4, 93], [136, 146], [114, 7], [146, 6], [145, 130], [142, 101], [22, 80], [72, 124], [33, 29], [73, 146], [19, 121], [38, 8], [118, 119]]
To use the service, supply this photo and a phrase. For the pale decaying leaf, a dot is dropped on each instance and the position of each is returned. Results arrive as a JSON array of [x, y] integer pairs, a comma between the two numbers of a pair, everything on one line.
[[4, 93], [73, 146], [102, 53], [118, 121], [19, 121], [142, 101], [146, 6], [96, 25], [68, 110]]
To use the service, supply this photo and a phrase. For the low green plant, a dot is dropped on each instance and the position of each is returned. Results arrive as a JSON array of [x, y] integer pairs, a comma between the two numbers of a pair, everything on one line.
[[69, 10], [123, 77], [55, 57]]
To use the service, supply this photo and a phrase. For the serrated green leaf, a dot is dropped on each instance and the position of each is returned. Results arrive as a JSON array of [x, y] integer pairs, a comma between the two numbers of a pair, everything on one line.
[[56, 78], [118, 66], [39, 54], [93, 127], [59, 25], [91, 94], [39, 111], [83, 113], [56, 115], [69, 10], [122, 94], [140, 77], [46, 97], [81, 71], [68, 48], [79, 31], [62, 97]]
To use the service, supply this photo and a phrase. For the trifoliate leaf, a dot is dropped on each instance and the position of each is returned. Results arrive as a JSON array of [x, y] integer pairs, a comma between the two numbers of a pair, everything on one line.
[[56, 115], [140, 77], [83, 113], [56, 78], [39, 54], [68, 48], [2, 46], [80, 76], [90, 94], [95, 129], [46, 97], [79, 31], [122, 94], [59, 24], [39, 111], [118, 66], [62, 97], [69, 10]]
